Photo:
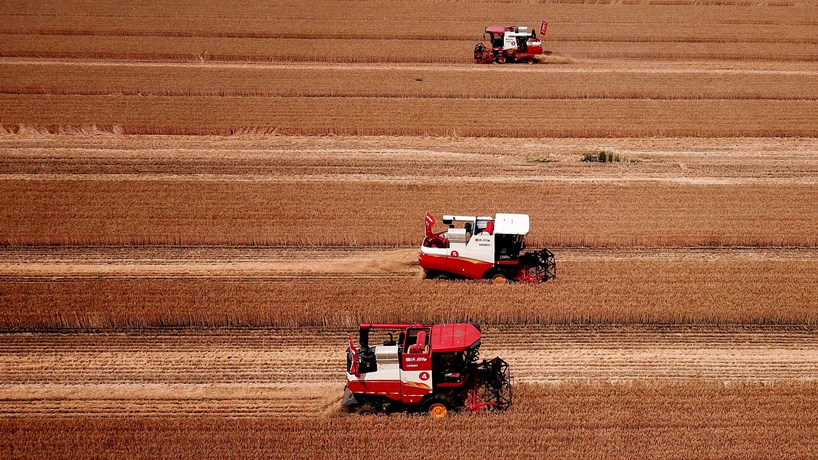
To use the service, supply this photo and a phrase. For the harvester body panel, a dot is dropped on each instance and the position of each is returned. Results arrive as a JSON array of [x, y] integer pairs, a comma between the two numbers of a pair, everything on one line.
[[427, 365], [510, 44], [494, 251], [454, 337], [512, 224]]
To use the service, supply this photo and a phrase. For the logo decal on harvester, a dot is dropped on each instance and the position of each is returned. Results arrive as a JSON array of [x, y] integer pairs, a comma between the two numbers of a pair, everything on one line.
[[455, 254], [424, 376], [412, 384]]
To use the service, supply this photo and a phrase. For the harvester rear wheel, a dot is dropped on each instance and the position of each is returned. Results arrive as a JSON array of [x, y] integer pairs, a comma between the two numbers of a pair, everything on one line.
[[501, 58]]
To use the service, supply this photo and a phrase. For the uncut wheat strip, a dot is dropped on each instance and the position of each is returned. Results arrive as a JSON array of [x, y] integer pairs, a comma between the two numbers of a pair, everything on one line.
[[373, 9], [597, 291], [636, 214], [383, 17], [559, 118], [583, 421], [75, 78], [779, 29]]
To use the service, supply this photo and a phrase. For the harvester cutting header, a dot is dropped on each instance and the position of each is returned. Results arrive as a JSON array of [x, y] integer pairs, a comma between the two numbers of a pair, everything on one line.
[[510, 44], [484, 248]]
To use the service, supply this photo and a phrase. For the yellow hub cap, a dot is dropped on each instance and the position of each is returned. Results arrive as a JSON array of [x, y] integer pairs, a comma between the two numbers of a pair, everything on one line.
[[499, 279], [437, 410]]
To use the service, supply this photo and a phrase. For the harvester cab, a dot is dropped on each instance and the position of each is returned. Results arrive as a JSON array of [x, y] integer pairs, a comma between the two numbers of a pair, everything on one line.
[[429, 368], [484, 247], [510, 44]]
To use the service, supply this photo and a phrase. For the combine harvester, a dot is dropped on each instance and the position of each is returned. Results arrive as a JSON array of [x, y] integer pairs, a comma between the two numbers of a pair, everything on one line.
[[510, 44], [484, 248], [430, 368]]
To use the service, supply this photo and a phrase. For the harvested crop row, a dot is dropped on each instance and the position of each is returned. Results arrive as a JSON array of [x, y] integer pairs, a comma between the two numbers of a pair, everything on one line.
[[349, 50], [579, 420], [391, 116], [427, 82], [611, 287], [178, 367], [194, 212], [407, 159]]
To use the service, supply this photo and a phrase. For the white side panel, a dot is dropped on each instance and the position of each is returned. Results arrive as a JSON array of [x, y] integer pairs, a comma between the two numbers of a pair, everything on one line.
[[388, 372], [509, 41], [480, 247], [456, 246], [511, 224]]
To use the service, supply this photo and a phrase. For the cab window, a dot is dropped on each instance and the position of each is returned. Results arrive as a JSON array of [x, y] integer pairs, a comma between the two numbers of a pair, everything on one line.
[[417, 341]]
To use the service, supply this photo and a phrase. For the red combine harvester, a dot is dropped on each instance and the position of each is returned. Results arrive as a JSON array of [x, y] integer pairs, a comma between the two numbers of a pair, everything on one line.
[[484, 248], [430, 368], [510, 44]]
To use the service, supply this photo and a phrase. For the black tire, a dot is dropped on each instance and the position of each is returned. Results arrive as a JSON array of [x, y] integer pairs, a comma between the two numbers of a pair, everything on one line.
[[493, 275], [501, 59], [366, 409], [437, 275], [445, 400], [436, 401]]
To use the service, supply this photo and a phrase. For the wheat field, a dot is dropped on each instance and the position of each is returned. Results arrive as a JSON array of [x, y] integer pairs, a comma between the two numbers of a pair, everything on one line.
[[200, 201], [585, 420]]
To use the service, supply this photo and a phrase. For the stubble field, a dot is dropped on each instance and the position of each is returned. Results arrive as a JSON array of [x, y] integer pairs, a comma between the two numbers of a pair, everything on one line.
[[200, 201]]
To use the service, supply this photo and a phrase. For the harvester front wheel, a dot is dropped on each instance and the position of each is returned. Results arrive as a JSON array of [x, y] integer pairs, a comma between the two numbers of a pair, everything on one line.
[[438, 410], [366, 410], [438, 406]]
